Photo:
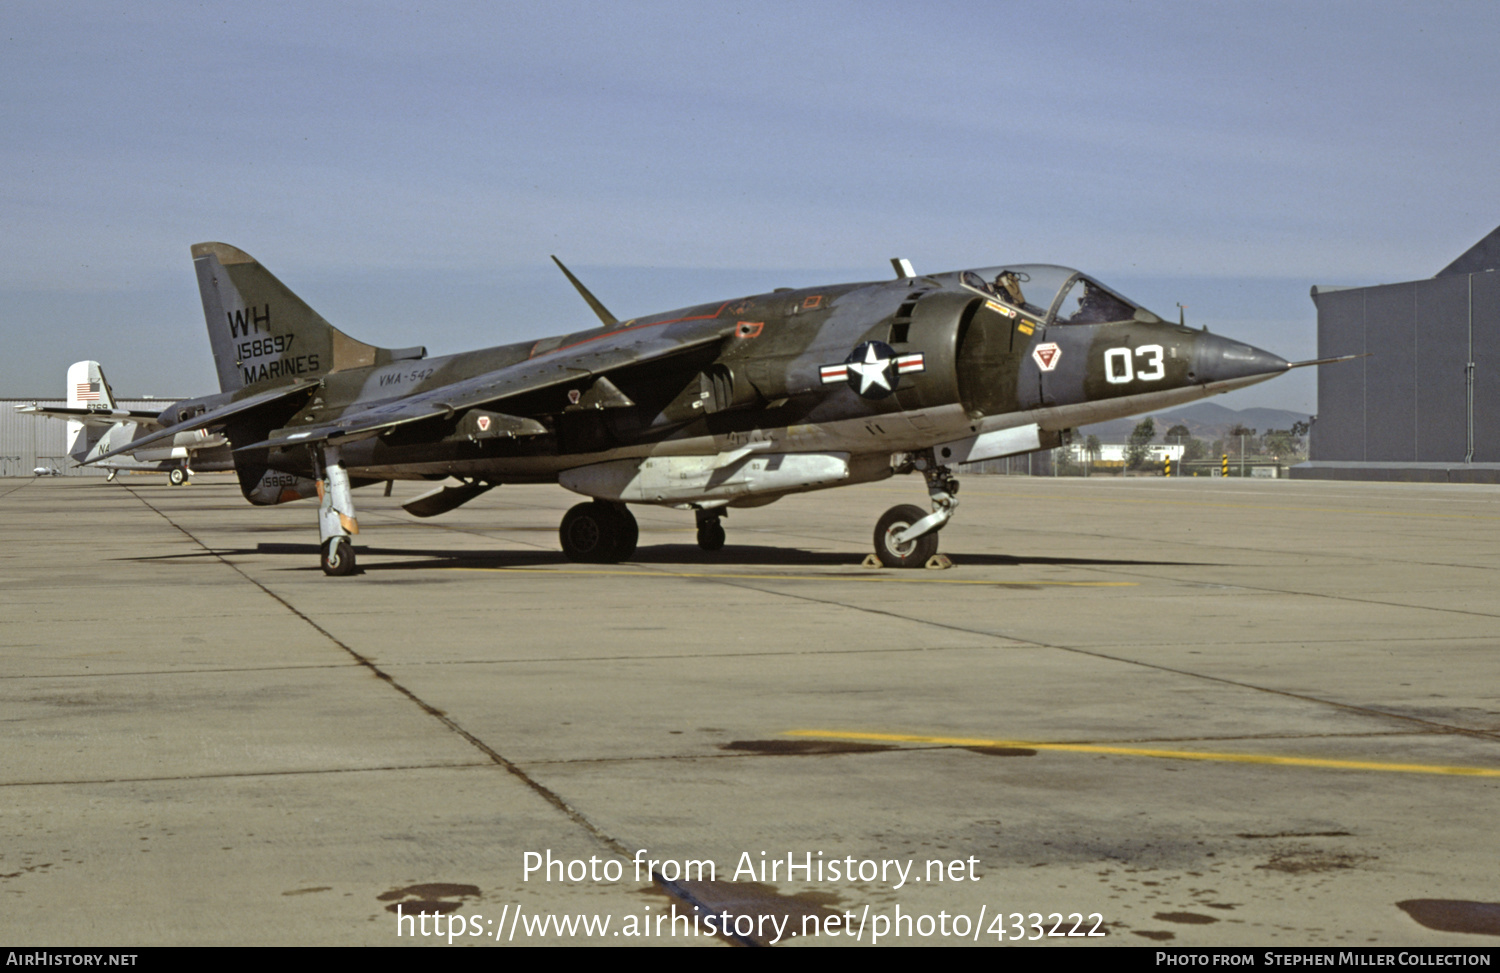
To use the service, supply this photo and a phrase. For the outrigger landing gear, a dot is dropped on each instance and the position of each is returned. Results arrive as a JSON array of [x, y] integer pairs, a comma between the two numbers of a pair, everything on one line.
[[599, 532], [179, 475], [710, 530], [904, 537], [335, 512]]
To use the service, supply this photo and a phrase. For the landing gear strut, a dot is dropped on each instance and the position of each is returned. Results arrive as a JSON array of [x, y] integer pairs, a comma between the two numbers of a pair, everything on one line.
[[904, 537], [710, 530], [335, 512], [599, 532]]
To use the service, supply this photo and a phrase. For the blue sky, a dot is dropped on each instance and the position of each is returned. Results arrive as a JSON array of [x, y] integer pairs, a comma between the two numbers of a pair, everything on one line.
[[407, 169]]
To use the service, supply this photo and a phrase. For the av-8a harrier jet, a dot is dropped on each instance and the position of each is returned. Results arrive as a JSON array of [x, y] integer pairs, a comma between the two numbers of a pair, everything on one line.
[[732, 404]]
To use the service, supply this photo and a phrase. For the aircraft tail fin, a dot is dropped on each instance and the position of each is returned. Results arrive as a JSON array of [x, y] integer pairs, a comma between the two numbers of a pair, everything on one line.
[[262, 334], [87, 389]]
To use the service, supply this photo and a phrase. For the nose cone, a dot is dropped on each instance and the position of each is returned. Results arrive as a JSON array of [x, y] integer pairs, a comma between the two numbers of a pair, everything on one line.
[[1232, 364]]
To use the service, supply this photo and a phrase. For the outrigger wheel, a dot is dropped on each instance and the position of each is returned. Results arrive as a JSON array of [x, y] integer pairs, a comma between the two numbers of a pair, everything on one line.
[[598, 532], [912, 554], [338, 557], [177, 476]]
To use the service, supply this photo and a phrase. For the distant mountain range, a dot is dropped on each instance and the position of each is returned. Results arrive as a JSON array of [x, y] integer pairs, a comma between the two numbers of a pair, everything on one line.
[[1205, 420]]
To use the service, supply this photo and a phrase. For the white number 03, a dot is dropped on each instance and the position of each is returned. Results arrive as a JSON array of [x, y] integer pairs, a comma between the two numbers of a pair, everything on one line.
[[1119, 369]]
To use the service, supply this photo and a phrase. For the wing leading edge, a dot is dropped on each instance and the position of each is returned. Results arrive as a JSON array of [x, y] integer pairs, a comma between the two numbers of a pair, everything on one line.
[[214, 418]]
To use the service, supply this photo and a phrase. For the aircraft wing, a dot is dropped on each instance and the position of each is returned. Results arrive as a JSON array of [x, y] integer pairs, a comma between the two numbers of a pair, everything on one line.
[[93, 417], [545, 371], [364, 423], [210, 419]]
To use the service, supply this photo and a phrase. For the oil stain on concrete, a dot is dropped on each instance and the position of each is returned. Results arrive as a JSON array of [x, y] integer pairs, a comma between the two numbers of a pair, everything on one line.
[[1455, 915], [759, 903], [434, 897]]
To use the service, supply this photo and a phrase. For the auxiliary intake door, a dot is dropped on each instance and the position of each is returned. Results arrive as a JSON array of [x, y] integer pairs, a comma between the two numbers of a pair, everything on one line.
[[993, 373]]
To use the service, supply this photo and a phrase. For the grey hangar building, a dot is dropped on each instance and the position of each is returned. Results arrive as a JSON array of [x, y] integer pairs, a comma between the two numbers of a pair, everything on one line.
[[1424, 405]]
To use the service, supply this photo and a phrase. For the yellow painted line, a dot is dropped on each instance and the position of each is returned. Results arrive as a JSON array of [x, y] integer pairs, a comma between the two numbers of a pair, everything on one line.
[[887, 579], [1236, 758]]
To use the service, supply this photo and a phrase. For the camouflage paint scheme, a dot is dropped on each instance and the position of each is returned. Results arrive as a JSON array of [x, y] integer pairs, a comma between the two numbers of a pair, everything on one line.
[[751, 398]]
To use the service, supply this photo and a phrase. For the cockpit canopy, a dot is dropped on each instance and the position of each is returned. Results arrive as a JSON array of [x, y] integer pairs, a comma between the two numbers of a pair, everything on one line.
[[1054, 295]]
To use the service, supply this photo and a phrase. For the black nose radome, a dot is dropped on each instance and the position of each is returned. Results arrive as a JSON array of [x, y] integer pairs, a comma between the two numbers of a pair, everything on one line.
[[1226, 360]]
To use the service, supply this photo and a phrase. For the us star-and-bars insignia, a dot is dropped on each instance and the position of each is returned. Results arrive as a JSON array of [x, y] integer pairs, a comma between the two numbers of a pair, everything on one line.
[[873, 368]]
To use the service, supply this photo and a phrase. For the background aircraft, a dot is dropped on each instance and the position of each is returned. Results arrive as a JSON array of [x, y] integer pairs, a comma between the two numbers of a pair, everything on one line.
[[96, 425], [735, 403]]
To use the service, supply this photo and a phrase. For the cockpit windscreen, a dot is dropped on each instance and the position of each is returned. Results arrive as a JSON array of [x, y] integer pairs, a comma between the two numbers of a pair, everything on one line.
[[1057, 295]]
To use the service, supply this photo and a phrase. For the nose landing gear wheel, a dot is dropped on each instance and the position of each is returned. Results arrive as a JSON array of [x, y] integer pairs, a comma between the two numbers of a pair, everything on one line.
[[177, 476], [912, 554], [338, 557]]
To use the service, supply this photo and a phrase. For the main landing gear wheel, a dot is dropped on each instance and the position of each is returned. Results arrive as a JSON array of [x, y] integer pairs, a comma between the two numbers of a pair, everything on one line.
[[630, 532], [912, 554], [338, 557], [598, 533], [177, 476], [710, 531], [711, 536]]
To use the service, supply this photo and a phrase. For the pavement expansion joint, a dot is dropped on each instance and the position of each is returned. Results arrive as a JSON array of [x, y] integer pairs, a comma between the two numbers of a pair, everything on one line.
[[1221, 680], [185, 671], [546, 793], [741, 654], [21, 487], [1262, 589], [246, 774]]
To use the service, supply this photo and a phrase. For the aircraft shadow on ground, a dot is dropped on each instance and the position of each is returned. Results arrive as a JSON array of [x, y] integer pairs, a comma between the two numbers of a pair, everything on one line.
[[680, 555]]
